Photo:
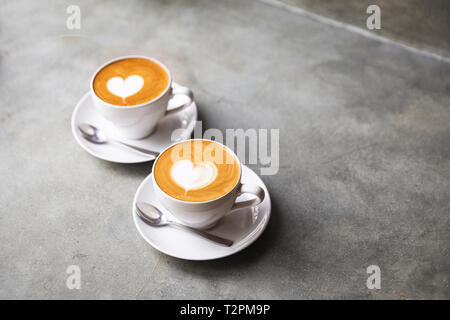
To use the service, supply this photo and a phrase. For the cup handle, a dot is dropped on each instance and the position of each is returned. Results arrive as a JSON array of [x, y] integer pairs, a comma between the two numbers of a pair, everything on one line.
[[180, 90], [253, 189]]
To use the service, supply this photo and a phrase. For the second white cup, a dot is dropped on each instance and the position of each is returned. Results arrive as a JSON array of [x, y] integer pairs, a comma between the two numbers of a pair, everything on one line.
[[139, 121], [205, 214]]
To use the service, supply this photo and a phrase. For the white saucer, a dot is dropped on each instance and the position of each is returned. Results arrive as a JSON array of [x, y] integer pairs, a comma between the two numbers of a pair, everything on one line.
[[157, 141], [243, 226]]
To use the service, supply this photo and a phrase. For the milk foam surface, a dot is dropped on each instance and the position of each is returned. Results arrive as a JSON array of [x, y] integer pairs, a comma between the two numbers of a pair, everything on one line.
[[191, 177], [196, 171], [131, 81], [123, 89]]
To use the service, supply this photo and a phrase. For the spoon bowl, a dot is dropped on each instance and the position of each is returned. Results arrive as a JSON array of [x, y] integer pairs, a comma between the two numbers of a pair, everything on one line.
[[92, 134], [151, 214]]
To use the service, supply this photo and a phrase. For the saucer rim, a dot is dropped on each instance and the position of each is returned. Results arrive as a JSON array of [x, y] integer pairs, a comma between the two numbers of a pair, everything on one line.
[[88, 150], [245, 244]]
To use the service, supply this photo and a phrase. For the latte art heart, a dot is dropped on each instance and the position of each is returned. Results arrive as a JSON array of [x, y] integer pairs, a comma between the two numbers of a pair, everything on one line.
[[123, 89], [191, 177]]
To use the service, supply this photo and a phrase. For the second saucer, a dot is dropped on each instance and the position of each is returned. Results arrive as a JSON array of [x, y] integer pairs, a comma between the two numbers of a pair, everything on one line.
[[85, 112]]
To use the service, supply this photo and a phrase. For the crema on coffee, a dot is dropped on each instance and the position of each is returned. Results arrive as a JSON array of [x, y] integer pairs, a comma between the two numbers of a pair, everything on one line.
[[130, 81], [197, 170]]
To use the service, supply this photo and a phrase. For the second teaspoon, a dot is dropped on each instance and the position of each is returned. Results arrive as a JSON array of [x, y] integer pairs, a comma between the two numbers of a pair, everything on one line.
[[155, 217], [95, 135]]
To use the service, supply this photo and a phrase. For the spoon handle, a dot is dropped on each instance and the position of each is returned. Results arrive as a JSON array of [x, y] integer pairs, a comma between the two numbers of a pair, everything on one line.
[[142, 150], [204, 234]]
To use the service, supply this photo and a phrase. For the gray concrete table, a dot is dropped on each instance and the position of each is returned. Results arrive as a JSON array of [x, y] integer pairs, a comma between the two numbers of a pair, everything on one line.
[[364, 174]]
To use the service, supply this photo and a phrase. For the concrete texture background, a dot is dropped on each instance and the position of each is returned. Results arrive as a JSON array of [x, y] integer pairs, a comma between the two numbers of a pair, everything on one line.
[[421, 24], [364, 154]]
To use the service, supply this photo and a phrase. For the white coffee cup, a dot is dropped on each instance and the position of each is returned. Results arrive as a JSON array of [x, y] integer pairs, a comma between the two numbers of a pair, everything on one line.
[[139, 121], [205, 214]]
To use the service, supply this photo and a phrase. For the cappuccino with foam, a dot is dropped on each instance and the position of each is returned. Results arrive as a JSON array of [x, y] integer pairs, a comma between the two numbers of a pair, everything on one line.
[[197, 170], [130, 81]]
